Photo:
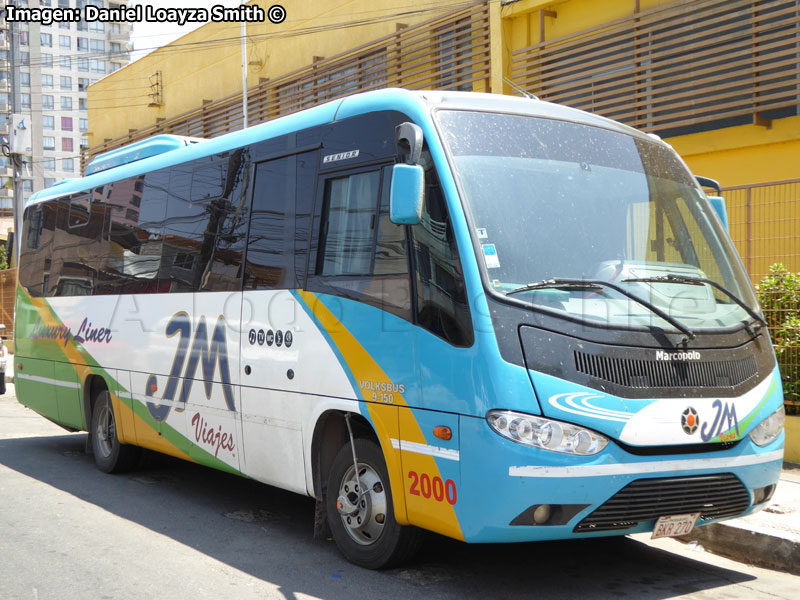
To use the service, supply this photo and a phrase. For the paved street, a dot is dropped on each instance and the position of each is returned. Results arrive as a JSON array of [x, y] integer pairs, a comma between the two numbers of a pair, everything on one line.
[[176, 530]]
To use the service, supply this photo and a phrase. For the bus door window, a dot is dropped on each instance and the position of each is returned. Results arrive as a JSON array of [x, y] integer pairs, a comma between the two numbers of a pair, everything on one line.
[[348, 226], [442, 306], [303, 212], [270, 248]]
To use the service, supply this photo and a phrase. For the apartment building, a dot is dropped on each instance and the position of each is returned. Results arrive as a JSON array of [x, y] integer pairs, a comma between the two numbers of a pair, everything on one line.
[[44, 73]]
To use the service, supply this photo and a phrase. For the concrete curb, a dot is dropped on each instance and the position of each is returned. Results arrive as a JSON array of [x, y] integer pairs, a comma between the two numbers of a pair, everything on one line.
[[747, 546]]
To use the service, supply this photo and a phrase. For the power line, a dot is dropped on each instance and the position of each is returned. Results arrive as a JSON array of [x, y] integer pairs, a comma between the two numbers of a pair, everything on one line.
[[204, 45]]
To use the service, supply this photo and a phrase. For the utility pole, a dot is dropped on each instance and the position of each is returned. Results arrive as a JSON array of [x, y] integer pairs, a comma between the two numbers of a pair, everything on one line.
[[244, 72], [16, 158]]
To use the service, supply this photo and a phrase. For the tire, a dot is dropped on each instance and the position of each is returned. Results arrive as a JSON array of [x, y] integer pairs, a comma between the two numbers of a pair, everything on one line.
[[110, 455], [377, 541]]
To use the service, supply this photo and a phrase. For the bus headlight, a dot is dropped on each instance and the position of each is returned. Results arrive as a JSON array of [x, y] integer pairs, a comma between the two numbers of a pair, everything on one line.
[[769, 428], [546, 433]]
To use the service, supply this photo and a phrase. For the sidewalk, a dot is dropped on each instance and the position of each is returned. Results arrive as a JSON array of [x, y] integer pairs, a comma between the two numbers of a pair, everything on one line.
[[769, 538]]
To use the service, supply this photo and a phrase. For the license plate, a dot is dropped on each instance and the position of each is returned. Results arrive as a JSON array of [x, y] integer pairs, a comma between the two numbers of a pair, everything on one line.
[[674, 525]]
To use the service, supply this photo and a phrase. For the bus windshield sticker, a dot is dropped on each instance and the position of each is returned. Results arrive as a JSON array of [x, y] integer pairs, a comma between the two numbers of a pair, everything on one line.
[[482, 235], [340, 156], [490, 256]]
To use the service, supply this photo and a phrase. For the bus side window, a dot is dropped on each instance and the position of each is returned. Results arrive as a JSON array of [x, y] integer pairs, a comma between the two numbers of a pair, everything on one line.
[[80, 206], [132, 256], [204, 229], [224, 237], [35, 225], [34, 268], [442, 306], [79, 243], [362, 254]]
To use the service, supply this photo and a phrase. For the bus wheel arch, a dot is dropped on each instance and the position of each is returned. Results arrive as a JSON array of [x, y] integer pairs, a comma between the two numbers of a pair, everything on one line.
[[330, 434], [110, 455]]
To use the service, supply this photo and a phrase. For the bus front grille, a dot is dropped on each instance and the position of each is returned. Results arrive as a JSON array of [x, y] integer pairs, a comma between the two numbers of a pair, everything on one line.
[[639, 373], [713, 496]]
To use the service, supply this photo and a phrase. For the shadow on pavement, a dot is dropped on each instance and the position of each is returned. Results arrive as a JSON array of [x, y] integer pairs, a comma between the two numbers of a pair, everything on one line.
[[266, 532]]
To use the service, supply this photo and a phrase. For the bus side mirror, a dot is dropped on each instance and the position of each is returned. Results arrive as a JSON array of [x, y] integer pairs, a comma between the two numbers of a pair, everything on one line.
[[718, 204], [406, 194]]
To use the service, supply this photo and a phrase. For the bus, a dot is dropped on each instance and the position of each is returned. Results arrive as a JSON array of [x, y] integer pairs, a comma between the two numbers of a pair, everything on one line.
[[493, 318]]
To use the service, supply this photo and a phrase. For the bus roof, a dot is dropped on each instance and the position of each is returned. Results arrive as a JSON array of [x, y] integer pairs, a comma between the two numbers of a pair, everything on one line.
[[414, 103]]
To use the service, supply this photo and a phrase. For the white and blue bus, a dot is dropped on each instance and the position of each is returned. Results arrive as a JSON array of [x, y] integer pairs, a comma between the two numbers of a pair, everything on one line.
[[493, 318]]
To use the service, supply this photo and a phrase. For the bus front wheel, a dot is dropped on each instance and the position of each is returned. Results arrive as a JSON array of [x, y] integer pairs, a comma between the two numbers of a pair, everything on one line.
[[360, 510], [110, 455]]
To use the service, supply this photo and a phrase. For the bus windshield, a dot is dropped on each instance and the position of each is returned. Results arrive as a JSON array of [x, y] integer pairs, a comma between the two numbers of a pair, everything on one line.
[[555, 199]]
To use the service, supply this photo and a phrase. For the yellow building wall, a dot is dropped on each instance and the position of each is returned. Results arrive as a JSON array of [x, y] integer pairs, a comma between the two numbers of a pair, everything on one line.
[[205, 65], [745, 154]]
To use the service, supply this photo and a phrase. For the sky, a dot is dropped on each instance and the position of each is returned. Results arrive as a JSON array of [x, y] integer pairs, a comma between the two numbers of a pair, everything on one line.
[[149, 36]]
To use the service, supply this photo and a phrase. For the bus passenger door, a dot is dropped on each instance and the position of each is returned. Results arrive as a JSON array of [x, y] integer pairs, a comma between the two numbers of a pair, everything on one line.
[[271, 408]]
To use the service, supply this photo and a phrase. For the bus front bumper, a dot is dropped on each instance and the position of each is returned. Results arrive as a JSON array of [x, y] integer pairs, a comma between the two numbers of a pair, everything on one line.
[[515, 493]]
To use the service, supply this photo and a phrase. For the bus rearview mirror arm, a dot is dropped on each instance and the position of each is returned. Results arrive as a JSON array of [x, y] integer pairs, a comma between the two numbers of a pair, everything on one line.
[[407, 191], [408, 139]]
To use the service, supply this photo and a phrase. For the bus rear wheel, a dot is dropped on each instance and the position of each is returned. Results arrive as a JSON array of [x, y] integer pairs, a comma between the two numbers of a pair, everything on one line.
[[361, 513], [110, 455]]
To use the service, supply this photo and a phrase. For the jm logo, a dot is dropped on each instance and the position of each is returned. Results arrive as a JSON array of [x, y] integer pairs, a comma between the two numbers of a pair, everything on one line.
[[200, 352]]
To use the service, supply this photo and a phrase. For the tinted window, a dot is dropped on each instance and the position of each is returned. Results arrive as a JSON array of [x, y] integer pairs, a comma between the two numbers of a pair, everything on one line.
[[35, 224], [222, 187], [78, 243], [187, 224], [135, 237], [168, 236], [34, 267]]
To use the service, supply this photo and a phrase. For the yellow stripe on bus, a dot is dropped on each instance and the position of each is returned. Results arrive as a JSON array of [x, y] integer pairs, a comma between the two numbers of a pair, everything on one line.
[[427, 513]]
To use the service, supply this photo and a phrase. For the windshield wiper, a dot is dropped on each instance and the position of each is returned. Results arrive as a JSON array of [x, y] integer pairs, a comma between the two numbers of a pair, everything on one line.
[[699, 281], [596, 284]]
